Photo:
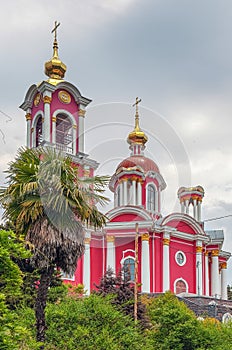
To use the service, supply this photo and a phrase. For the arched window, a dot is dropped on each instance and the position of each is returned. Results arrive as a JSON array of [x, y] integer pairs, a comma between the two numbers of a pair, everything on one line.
[[64, 133], [38, 131], [180, 287], [129, 269], [151, 198]]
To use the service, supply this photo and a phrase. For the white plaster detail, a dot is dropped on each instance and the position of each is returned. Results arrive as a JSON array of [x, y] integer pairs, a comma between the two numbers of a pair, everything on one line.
[[86, 267], [145, 268]]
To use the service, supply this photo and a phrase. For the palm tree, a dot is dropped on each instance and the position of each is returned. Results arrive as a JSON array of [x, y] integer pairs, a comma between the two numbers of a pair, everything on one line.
[[50, 205]]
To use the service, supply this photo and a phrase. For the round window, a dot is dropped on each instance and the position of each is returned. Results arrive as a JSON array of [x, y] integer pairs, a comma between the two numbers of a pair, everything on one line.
[[180, 258]]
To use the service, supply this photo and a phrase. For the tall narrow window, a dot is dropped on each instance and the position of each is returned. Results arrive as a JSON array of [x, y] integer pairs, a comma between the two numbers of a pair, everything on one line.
[[129, 269], [38, 132], [151, 198], [64, 133]]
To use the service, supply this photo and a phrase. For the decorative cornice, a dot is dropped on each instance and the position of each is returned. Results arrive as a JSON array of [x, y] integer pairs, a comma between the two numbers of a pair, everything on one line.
[[199, 249], [82, 113], [215, 252], [28, 116], [54, 119], [223, 265], [206, 253], [166, 241], [87, 240], [145, 237], [74, 126], [47, 99], [32, 129], [110, 239]]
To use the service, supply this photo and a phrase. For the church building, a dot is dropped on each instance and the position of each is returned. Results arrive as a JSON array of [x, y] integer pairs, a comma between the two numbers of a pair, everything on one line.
[[172, 252]]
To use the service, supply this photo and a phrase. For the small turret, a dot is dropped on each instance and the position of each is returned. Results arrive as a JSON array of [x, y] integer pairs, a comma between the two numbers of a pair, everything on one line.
[[191, 196]]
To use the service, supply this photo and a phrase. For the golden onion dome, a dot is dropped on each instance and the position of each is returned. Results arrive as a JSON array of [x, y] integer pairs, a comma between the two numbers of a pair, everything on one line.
[[55, 68], [137, 136]]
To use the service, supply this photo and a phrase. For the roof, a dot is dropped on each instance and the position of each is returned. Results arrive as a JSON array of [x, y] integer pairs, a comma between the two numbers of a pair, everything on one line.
[[145, 163]]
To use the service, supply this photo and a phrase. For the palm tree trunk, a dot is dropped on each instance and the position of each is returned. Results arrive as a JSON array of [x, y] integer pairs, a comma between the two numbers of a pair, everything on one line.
[[40, 303]]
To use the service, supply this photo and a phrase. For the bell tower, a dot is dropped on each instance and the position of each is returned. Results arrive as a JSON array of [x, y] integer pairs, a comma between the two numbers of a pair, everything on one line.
[[55, 112]]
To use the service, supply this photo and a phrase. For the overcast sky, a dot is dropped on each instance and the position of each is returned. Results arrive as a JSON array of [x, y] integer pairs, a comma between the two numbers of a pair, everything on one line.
[[176, 55]]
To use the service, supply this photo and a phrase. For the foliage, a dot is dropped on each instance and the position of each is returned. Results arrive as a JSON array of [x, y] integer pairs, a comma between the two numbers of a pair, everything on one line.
[[176, 327], [11, 277], [14, 335], [122, 290], [91, 323], [229, 292], [48, 202]]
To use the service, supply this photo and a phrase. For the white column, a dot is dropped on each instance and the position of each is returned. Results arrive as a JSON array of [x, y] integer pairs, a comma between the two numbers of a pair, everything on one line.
[[199, 286], [125, 192], [110, 255], [121, 193], [215, 274], [81, 140], [28, 119], [199, 210], [139, 193], [133, 192], [187, 206], [224, 281], [74, 145], [47, 124], [54, 129], [206, 274], [145, 268], [157, 201], [86, 266], [182, 207], [195, 209], [166, 264]]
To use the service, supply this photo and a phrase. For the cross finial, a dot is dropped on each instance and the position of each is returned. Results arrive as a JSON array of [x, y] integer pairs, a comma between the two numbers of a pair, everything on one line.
[[54, 30], [136, 104]]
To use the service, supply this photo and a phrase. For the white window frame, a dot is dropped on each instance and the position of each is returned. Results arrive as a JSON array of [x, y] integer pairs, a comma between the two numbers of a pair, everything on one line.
[[176, 258]]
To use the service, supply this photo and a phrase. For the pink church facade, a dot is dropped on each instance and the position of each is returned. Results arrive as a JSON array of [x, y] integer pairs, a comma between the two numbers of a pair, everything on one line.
[[175, 252]]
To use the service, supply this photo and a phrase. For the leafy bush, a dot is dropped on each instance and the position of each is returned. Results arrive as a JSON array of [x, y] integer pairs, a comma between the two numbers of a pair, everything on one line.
[[91, 323], [13, 334]]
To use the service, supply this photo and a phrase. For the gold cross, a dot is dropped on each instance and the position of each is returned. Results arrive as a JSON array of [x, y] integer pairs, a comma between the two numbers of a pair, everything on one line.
[[55, 29], [137, 101]]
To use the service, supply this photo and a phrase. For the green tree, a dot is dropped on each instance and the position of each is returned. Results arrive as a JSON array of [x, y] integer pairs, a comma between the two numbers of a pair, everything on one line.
[[11, 277], [90, 323], [175, 326], [49, 203]]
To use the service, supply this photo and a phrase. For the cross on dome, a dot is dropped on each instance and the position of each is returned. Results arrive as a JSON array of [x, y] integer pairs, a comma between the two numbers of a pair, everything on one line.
[[55, 68], [54, 30]]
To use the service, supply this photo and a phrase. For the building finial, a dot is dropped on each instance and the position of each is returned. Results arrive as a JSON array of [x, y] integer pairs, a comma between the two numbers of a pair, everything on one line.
[[136, 104], [55, 43], [55, 69], [137, 136]]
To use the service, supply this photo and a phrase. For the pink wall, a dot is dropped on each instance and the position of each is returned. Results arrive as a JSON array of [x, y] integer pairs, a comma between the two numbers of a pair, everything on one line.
[[96, 260], [188, 270]]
